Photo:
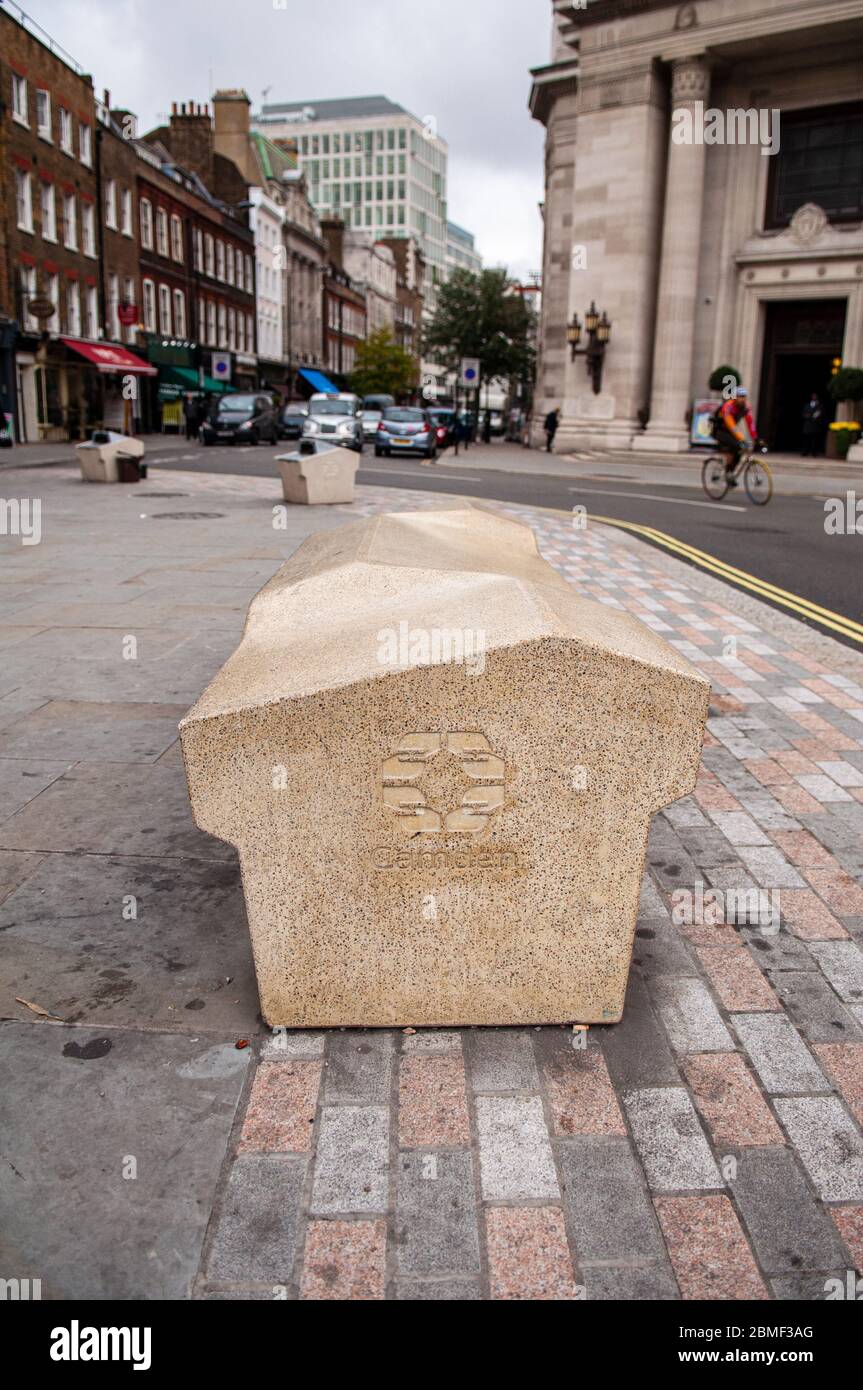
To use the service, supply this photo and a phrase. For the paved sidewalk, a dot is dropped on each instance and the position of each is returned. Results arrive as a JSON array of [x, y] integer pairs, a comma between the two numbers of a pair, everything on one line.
[[708, 1146]]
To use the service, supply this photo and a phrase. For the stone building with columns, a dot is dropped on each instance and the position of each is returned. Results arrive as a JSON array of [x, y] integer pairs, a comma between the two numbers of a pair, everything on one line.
[[704, 188]]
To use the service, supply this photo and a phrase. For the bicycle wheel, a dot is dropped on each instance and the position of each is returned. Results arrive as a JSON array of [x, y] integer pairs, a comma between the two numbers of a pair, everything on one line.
[[713, 478], [758, 481]]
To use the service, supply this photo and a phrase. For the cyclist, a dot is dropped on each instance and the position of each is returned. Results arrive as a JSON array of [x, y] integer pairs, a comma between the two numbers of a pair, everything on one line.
[[728, 433]]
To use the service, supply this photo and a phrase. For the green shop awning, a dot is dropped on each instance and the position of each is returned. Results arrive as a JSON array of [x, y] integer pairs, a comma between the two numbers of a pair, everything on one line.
[[187, 378]]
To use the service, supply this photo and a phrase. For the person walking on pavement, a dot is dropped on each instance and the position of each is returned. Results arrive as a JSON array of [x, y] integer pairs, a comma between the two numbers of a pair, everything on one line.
[[190, 413], [813, 418], [486, 428], [550, 427]]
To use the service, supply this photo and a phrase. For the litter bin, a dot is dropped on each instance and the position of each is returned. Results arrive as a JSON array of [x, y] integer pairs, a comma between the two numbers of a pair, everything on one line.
[[99, 458], [438, 764]]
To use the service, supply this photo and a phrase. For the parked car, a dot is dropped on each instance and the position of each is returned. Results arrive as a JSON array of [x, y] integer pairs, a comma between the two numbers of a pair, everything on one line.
[[444, 422], [370, 421], [379, 402], [405, 429], [242, 418], [336, 419], [291, 420]]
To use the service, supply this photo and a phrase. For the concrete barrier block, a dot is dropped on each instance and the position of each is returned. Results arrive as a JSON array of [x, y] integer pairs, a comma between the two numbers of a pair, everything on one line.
[[438, 764]]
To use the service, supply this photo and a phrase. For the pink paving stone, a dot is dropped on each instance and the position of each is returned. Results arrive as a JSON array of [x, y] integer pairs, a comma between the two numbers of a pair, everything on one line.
[[803, 849], [709, 740], [830, 692], [694, 635], [798, 801], [841, 894], [281, 1108], [857, 793], [807, 917], [826, 747], [849, 1223], [708, 1250], [701, 934], [344, 1260], [794, 762], [581, 1095], [808, 663], [766, 770], [730, 1101], [737, 980], [844, 1064], [714, 797], [817, 724], [728, 704], [528, 1255], [432, 1102], [757, 663]]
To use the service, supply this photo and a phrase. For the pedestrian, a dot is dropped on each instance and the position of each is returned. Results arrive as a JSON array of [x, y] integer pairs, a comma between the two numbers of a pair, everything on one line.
[[486, 428], [813, 426], [550, 427], [190, 414]]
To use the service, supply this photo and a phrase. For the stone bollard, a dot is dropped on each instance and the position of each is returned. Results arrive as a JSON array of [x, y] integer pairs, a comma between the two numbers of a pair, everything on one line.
[[100, 457], [319, 478], [438, 764]]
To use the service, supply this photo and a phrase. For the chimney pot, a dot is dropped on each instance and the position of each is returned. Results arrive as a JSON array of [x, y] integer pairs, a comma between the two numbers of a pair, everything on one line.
[[173, 108]]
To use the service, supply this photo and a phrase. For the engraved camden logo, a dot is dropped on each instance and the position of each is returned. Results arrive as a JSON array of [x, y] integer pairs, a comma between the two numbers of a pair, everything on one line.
[[443, 784]]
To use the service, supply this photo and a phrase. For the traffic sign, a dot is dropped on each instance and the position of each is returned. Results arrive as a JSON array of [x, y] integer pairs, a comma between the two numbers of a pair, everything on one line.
[[469, 371]]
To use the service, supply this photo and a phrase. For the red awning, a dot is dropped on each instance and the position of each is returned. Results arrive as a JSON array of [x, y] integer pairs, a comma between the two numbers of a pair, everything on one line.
[[110, 357]]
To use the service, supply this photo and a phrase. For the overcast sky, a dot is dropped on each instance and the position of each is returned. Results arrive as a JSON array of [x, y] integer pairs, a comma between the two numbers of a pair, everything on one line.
[[463, 61]]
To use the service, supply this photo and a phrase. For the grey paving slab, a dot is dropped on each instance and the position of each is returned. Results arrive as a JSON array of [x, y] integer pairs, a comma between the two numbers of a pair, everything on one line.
[[438, 1290], [114, 808], [284, 1044], [500, 1059], [22, 779], [629, 1284], [806, 1287], [514, 1150], [257, 1226], [141, 943], [689, 1015], [790, 1230], [659, 949], [829, 1144], [670, 1141], [431, 1043], [352, 1163], [842, 963], [436, 1214], [76, 1106], [778, 951], [93, 731], [770, 868], [779, 1055], [636, 1049], [15, 869], [359, 1067], [813, 1007], [607, 1203]]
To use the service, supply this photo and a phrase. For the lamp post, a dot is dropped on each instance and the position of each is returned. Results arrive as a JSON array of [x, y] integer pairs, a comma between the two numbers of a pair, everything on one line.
[[598, 329]]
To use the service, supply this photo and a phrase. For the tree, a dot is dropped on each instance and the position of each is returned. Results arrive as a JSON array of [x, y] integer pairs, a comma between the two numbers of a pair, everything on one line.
[[483, 316], [383, 367]]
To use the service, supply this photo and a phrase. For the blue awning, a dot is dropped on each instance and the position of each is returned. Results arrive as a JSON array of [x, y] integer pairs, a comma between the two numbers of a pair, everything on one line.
[[318, 381]]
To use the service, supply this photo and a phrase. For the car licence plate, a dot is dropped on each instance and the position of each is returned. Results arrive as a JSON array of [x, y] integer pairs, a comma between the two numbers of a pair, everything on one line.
[[403, 441]]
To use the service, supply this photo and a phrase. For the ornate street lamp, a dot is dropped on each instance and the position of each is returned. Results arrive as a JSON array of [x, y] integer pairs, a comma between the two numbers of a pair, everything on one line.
[[598, 329]]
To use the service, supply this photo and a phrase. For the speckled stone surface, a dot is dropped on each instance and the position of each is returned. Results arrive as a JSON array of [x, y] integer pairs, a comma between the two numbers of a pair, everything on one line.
[[319, 479], [448, 843]]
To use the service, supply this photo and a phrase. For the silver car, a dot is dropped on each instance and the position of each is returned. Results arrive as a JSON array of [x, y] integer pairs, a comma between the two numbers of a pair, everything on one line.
[[335, 420], [370, 421]]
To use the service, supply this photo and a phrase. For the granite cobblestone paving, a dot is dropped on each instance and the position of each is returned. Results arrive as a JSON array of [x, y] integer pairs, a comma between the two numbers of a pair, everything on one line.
[[707, 1146]]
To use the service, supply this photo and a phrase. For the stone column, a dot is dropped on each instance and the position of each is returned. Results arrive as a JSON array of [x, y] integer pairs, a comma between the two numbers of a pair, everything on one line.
[[678, 274]]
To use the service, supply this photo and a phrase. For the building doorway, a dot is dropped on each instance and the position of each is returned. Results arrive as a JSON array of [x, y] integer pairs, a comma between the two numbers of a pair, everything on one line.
[[802, 339]]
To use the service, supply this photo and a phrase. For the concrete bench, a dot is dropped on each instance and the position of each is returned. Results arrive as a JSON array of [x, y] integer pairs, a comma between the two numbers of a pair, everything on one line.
[[438, 764], [319, 478]]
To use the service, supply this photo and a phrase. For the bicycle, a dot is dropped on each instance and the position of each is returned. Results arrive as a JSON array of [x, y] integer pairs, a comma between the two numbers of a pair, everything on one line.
[[757, 477]]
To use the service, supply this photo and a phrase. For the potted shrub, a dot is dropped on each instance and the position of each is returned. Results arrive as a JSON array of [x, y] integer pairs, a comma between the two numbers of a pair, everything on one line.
[[723, 379], [846, 387]]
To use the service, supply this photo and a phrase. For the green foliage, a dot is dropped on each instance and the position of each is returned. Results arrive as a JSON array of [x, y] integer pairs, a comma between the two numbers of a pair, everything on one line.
[[847, 384], [719, 377], [383, 367], [483, 316]]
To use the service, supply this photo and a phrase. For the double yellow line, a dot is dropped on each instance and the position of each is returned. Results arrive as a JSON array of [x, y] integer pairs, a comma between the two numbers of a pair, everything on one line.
[[802, 606]]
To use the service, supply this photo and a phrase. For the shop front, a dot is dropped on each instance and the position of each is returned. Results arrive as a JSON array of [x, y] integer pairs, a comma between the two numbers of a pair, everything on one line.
[[75, 385]]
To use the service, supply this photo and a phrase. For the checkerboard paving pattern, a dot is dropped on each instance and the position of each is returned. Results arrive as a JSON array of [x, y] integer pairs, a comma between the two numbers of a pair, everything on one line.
[[709, 1146]]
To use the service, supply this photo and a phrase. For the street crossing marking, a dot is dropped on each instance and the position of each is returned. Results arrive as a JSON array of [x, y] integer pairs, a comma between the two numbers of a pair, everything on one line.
[[743, 580]]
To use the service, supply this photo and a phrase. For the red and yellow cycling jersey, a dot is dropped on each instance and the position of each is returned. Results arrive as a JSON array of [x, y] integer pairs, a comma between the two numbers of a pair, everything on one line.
[[730, 414]]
